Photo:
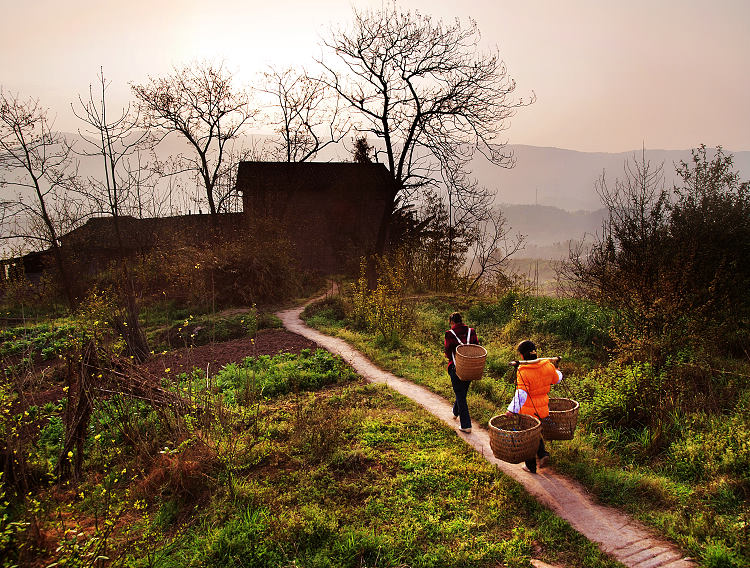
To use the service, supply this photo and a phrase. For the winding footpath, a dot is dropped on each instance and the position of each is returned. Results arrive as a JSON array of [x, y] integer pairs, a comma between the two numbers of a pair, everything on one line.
[[620, 536]]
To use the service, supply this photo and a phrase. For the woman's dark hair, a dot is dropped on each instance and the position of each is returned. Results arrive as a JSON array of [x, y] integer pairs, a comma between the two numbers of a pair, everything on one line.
[[456, 318], [526, 348]]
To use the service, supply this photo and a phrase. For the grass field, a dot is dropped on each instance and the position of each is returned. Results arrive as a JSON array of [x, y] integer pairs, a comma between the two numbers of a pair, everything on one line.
[[286, 460], [676, 456]]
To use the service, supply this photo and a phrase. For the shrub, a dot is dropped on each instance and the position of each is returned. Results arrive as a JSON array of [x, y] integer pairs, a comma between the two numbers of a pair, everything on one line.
[[580, 322], [233, 270], [181, 474], [711, 446], [49, 444], [671, 263], [498, 313], [717, 555], [331, 309], [383, 309], [623, 396]]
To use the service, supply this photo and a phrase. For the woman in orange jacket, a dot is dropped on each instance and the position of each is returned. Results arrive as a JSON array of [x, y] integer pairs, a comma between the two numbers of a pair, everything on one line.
[[533, 381]]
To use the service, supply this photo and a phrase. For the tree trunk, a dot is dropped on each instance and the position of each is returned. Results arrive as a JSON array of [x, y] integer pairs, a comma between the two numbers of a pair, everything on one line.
[[382, 241], [130, 329]]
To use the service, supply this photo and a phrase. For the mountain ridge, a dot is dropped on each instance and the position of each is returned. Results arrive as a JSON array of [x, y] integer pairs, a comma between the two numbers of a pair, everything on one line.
[[567, 178]]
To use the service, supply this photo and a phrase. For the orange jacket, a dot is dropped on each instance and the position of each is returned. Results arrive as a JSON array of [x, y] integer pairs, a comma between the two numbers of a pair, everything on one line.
[[536, 379]]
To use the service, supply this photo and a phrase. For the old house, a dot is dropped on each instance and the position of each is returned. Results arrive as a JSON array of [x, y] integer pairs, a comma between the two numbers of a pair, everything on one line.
[[330, 211]]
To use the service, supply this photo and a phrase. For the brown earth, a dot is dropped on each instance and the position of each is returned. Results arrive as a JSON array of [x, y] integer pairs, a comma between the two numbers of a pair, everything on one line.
[[215, 355], [212, 356]]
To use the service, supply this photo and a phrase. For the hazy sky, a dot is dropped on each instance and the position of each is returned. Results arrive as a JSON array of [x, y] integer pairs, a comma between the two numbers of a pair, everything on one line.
[[608, 75]]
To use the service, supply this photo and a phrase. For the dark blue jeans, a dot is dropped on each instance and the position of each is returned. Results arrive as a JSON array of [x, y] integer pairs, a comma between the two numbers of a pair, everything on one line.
[[460, 388]]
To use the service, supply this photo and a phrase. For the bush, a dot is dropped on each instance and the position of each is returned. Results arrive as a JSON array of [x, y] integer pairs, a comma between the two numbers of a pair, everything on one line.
[[499, 313], [233, 270], [717, 555], [710, 447], [580, 322], [577, 321], [623, 396], [671, 264], [331, 309], [383, 309]]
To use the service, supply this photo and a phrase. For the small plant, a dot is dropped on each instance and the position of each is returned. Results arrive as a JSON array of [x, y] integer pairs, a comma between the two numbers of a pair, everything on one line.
[[383, 309], [10, 530]]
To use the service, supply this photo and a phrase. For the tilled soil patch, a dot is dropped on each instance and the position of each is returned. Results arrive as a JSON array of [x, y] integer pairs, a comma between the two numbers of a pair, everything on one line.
[[215, 355]]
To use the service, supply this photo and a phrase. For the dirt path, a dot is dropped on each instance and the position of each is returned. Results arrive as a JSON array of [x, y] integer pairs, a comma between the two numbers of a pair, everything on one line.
[[622, 537]]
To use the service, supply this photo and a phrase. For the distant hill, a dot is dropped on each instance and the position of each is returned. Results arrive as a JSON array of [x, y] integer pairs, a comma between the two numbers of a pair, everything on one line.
[[541, 176], [565, 178]]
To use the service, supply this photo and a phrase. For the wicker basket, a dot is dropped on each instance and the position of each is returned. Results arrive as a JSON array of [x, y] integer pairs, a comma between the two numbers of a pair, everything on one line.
[[470, 361], [515, 438], [562, 420]]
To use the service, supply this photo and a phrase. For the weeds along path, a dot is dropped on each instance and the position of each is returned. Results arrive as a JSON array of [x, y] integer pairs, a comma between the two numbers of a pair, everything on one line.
[[617, 534]]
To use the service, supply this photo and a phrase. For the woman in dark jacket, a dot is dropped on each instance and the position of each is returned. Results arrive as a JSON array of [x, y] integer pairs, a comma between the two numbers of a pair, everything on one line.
[[459, 334]]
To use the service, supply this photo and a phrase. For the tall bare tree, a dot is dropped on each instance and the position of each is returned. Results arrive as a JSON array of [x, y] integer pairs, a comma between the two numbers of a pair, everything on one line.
[[199, 103], [425, 90], [39, 166], [116, 140], [120, 143], [305, 114]]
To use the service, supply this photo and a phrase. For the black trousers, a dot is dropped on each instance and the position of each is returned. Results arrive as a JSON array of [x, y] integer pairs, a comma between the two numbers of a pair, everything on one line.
[[540, 453], [460, 389]]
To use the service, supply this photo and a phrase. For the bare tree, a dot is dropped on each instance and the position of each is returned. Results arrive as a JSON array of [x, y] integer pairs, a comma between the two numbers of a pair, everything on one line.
[[229, 200], [39, 165], [623, 265], [425, 90], [199, 103], [121, 144], [468, 205], [146, 200], [492, 247], [116, 140], [306, 114], [479, 239]]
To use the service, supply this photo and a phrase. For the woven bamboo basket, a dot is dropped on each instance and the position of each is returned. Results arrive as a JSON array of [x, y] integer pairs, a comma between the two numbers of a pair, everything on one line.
[[515, 438], [470, 361], [562, 420]]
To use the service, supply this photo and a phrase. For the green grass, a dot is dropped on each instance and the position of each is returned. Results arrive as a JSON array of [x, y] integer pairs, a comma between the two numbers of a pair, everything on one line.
[[682, 471], [395, 488], [290, 460], [166, 327], [175, 328], [311, 467]]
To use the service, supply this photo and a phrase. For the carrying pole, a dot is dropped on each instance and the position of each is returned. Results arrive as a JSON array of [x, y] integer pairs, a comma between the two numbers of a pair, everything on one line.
[[529, 361]]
